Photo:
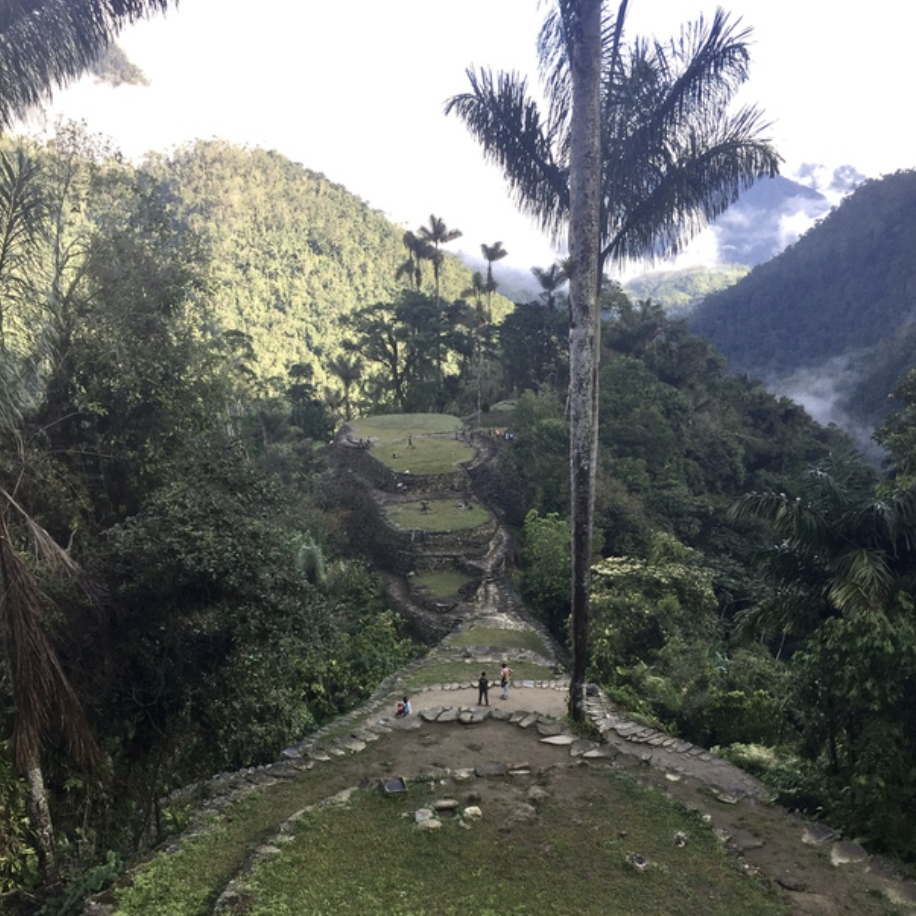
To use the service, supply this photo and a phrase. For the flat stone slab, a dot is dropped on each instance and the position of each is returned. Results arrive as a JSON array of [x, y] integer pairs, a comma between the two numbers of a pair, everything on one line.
[[528, 720], [364, 734], [473, 716], [818, 834], [407, 724], [582, 746], [604, 752], [431, 714], [847, 853], [559, 740]]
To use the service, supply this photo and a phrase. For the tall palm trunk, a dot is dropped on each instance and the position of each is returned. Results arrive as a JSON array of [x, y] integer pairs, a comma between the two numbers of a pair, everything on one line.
[[584, 328]]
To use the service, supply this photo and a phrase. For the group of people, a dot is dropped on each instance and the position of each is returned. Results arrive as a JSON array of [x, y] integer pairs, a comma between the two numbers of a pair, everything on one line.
[[483, 691], [483, 685]]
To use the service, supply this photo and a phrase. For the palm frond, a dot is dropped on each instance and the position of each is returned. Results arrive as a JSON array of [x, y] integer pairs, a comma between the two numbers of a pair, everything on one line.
[[43, 695], [507, 123], [863, 581], [46, 43]]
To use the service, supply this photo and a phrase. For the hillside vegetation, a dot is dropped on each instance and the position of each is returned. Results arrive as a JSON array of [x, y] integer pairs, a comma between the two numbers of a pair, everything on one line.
[[845, 291], [291, 254]]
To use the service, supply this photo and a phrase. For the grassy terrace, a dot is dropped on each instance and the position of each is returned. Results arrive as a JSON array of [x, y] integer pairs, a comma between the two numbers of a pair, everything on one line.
[[442, 584], [437, 515], [491, 636], [419, 443]]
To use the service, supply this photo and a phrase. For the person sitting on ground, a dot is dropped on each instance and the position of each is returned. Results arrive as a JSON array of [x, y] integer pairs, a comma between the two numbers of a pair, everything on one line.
[[403, 709]]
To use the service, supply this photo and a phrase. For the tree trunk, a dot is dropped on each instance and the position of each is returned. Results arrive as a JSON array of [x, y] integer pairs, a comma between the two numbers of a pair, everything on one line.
[[40, 817], [584, 327]]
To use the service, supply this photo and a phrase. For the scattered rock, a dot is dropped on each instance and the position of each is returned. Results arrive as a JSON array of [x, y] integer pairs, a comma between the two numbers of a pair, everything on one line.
[[846, 853], [791, 882], [446, 804], [818, 834]]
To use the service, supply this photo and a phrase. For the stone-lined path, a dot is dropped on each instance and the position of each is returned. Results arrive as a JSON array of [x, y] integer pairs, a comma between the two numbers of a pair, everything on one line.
[[536, 710]]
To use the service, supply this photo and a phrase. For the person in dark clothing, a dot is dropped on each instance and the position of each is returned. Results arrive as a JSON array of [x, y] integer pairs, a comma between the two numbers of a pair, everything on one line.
[[483, 687]]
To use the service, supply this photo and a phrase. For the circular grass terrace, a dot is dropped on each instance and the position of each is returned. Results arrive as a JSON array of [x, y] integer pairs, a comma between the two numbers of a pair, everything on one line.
[[415, 443], [437, 514]]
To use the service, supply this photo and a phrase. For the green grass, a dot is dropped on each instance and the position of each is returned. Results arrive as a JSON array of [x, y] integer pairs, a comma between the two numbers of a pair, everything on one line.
[[447, 671], [441, 515], [422, 443], [443, 584], [491, 636], [425, 455], [395, 427], [368, 858]]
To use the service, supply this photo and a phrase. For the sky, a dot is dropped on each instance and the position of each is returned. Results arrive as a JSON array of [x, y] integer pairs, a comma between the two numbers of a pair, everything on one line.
[[356, 90]]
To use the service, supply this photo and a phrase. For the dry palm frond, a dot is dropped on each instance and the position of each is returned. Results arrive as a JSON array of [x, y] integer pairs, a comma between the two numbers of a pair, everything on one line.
[[44, 698]]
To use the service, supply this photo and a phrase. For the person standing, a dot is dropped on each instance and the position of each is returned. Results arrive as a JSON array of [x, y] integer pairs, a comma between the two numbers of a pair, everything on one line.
[[483, 688], [504, 680]]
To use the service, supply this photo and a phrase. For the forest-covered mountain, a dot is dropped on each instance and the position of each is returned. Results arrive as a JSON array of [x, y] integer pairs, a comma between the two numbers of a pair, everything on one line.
[[839, 302], [291, 253]]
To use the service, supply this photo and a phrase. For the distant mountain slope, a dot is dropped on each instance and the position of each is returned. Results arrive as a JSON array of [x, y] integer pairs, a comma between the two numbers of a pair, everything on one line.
[[765, 219], [680, 291], [846, 291]]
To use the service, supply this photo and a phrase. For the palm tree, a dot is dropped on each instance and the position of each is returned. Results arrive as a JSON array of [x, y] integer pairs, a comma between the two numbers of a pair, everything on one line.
[[438, 234], [550, 280], [418, 251], [491, 254], [666, 157], [45, 43], [43, 697], [838, 549], [349, 369], [582, 23], [672, 157]]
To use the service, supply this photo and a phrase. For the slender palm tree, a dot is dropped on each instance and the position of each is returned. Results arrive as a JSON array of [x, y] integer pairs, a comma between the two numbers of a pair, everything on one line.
[[491, 254], [550, 280], [666, 156], [44, 44], [582, 25], [349, 369], [672, 156], [418, 251], [438, 234]]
